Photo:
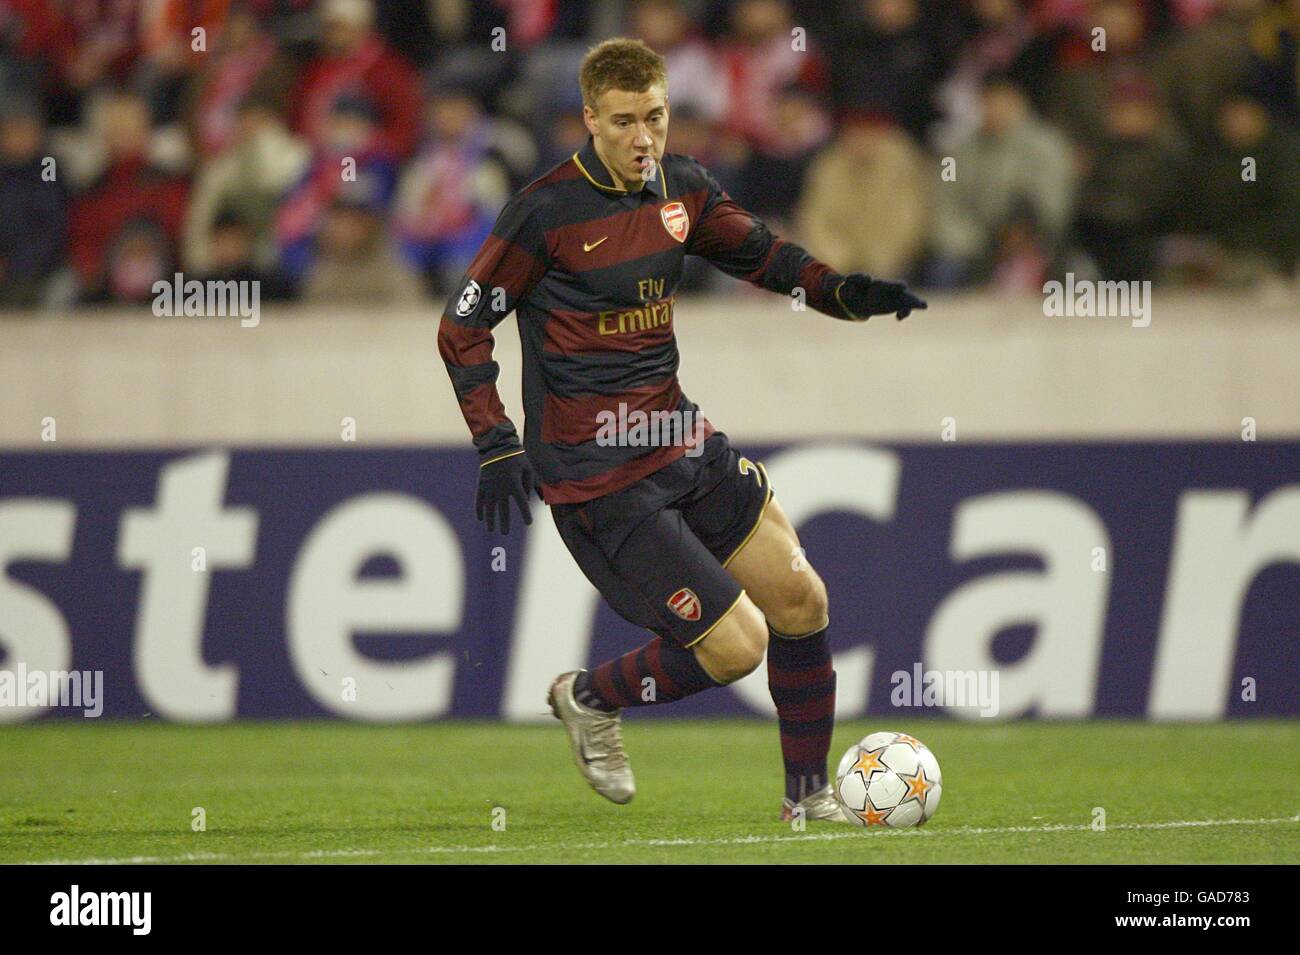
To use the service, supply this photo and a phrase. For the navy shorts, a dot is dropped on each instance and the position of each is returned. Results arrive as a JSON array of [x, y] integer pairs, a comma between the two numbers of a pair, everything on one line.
[[658, 549]]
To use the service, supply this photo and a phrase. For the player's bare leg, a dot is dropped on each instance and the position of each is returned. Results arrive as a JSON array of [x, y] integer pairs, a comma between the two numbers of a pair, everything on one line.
[[792, 596]]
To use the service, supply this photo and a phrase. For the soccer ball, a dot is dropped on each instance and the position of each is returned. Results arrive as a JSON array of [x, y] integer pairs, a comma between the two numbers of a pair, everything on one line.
[[889, 779]]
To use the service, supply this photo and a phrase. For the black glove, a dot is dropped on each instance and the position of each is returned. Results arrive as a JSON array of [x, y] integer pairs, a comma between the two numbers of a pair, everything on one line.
[[862, 296], [503, 477]]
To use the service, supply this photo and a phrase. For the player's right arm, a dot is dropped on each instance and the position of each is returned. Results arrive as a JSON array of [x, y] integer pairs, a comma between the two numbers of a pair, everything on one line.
[[510, 262]]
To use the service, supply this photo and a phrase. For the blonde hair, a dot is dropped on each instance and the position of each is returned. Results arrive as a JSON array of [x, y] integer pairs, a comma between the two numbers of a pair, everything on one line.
[[620, 64]]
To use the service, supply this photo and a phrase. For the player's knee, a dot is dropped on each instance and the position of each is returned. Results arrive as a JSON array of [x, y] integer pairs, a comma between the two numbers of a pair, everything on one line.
[[803, 606], [738, 646]]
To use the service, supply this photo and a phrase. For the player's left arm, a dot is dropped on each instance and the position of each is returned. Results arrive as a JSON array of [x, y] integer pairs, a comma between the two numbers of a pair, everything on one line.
[[740, 244]]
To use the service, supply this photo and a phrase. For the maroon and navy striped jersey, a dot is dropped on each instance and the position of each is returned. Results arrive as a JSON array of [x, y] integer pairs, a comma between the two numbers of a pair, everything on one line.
[[590, 270]]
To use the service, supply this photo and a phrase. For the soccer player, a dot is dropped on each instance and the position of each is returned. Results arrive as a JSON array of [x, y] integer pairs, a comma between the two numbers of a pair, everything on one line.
[[678, 531]]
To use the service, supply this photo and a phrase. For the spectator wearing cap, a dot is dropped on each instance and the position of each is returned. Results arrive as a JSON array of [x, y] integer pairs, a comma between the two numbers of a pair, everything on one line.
[[356, 62], [872, 174], [33, 207]]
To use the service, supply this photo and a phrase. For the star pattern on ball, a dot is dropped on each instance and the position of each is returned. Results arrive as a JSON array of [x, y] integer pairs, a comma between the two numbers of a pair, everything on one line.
[[911, 741], [868, 763], [871, 816], [918, 785]]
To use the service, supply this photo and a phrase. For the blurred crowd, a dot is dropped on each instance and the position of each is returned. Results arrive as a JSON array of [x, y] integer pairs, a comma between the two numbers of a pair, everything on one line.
[[359, 150]]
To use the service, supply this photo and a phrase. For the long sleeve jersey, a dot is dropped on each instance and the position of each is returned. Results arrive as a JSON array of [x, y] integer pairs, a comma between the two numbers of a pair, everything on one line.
[[591, 270]]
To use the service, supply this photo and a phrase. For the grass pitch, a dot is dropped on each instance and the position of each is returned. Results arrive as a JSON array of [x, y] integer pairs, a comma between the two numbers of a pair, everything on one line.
[[707, 792]]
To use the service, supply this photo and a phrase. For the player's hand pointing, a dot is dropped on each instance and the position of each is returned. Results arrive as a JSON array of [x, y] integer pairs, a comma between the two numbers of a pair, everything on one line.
[[862, 296], [500, 479]]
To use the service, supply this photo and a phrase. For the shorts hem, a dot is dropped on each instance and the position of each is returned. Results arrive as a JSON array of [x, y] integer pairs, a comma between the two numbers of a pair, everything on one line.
[[715, 623], [762, 512]]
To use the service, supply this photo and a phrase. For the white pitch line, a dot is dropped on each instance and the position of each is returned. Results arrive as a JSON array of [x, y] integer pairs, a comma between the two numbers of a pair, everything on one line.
[[309, 854]]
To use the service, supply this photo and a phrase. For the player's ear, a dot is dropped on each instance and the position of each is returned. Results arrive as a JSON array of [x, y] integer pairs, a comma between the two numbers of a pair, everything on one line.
[[589, 120]]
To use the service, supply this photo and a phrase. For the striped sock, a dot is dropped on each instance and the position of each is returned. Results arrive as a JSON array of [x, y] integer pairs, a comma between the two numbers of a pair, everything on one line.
[[659, 672], [802, 684]]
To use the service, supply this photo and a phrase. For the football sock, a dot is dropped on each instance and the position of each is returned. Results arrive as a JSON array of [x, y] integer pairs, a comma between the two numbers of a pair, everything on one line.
[[802, 684], [659, 672]]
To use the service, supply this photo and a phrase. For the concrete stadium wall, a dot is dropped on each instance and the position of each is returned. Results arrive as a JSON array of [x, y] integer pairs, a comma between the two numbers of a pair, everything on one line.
[[1000, 368]]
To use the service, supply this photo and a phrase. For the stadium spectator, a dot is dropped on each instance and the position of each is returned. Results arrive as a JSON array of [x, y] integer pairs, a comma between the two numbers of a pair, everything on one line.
[[1013, 162], [175, 38], [33, 207], [749, 98], [105, 37], [140, 255], [130, 191], [890, 59], [34, 48], [1077, 97], [1198, 67], [697, 82], [450, 194], [1135, 188], [1249, 196], [563, 136], [999, 38], [1274, 70], [249, 179], [871, 175], [356, 263], [349, 158], [358, 63], [233, 255], [693, 135], [243, 61], [530, 24], [802, 128], [759, 60], [1022, 256]]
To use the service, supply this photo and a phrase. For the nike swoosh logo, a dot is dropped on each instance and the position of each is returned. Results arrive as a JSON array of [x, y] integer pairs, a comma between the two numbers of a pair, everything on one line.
[[588, 248]]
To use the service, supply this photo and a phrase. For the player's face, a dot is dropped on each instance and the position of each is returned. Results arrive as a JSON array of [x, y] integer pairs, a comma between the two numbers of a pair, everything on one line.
[[630, 130]]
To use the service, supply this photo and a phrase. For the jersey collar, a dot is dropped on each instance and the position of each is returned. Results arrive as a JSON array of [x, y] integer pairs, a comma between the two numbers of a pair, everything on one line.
[[594, 171]]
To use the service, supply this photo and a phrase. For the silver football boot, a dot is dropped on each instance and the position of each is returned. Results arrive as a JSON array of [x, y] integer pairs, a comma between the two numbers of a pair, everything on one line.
[[596, 739], [821, 805]]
